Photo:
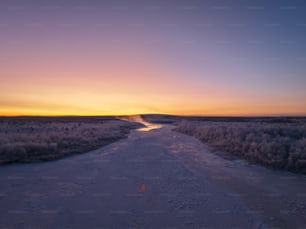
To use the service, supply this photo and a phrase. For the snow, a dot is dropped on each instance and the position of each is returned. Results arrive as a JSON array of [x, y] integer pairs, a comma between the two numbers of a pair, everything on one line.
[[152, 179]]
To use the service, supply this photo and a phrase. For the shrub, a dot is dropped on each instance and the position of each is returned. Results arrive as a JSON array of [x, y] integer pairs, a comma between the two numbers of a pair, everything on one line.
[[278, 145], [27, 140]]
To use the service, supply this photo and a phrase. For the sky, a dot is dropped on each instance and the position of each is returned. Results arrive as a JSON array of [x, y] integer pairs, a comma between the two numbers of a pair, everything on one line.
[[209, 57]]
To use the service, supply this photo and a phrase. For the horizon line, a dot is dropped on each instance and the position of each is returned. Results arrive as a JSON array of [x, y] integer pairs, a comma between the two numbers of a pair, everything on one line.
[[164, 114]]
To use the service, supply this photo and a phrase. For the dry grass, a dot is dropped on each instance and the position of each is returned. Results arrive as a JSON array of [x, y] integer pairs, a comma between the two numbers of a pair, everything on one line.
[[31, 140], [277, 145]]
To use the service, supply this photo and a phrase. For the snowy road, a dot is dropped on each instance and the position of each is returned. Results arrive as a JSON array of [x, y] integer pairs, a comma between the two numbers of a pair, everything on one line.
[[154, 179]]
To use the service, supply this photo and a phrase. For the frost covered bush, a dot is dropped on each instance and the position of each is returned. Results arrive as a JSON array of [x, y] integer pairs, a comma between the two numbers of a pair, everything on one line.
[[278, 145], [38, 140]]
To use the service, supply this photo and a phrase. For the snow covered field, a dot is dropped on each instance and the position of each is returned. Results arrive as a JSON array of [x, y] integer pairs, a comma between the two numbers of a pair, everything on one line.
[[280, 145], [39, 139], [152, 179]]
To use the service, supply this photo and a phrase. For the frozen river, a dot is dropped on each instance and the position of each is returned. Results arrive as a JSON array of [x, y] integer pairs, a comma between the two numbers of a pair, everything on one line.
[[152, 179]]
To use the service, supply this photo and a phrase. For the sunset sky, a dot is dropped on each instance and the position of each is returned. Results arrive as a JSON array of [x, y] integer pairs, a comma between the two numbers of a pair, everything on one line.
[[209, 57]]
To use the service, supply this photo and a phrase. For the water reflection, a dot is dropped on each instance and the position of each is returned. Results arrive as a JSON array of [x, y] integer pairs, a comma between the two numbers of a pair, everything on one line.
[[138, 118], [149, 126]]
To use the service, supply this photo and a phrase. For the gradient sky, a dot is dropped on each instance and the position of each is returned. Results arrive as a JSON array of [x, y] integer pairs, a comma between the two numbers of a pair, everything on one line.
[[213, 57]]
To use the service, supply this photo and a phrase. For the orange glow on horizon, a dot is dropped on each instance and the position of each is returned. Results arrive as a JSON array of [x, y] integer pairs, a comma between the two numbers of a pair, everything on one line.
[[125, 85], [173, 111], [102, 61]]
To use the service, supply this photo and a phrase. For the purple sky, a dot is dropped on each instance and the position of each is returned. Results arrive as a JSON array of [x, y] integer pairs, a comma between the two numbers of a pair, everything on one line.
[[183, 57]]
